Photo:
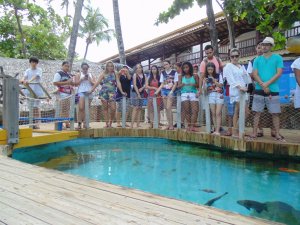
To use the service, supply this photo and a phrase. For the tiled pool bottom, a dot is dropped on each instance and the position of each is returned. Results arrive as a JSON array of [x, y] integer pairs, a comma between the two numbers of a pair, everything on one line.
[[182, 171]]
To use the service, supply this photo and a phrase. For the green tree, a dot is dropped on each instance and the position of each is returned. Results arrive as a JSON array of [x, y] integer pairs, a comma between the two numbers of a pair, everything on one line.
[[180, 5], [271, 18], [43, 33], [94, 28], [74, 33], [118, 29]]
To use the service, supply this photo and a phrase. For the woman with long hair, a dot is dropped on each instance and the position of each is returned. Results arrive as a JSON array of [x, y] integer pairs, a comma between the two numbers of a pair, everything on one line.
[[124, 85], [188, 83], [238, 79], [107, 92], [138, 93], [214, 87], [152, 84], [85, 82]]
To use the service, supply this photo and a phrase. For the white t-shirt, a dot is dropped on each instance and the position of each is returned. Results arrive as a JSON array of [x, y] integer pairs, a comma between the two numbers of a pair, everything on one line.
[[236, 76], [296, 65], [85, 85], [57, 78], [168, 82], [37, 73]]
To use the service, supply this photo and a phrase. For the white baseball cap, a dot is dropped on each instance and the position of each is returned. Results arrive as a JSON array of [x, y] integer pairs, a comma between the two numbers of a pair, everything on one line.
[[268, 40]]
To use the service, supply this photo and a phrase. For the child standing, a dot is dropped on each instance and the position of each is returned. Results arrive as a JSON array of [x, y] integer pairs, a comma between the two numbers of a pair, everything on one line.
[[214, 87]]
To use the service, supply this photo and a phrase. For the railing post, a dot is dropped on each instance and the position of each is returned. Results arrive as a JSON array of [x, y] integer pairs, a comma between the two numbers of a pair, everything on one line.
[[72, 110], [207, 114], [155, 112], [124, 111], [87, 111], [30, 103], [57, 113], [200, 114], [242, 114], [178, 113], [11, 109]]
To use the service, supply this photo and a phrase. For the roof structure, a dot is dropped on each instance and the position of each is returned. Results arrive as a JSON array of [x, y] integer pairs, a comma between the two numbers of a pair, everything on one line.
[[180, 40]]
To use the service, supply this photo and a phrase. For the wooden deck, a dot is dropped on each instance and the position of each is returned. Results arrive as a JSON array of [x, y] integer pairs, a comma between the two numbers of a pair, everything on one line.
[[35, 195]]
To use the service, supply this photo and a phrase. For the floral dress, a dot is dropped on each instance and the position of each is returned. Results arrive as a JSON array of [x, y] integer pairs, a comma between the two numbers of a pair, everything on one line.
[[109, 87]]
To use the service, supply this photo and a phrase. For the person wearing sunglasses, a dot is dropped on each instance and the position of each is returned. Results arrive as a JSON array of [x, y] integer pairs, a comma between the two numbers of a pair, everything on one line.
[[238, 79]]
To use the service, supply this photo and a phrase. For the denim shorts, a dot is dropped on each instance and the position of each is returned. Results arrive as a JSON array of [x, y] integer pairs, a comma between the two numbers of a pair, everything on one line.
[[166, 92], [230, 106]]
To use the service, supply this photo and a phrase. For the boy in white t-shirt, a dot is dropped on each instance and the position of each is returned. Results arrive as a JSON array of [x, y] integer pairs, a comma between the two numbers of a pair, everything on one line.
[[34, 74]]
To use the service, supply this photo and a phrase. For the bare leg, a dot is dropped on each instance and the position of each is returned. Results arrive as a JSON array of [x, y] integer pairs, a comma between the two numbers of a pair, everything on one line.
[[112, 108], [138, 115], [276, 125], [218, 117], [133, 116], [235, 131], [185, 112], [213, 114], [105, 112], [255, 123]]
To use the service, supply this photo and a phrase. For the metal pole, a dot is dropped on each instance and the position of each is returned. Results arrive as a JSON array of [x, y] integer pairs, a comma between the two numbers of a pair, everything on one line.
[[155, 113], [57, 113], [124, 112], [87, 111], [178, 113], [207, 114], [30, 108], [72, 112], [11, 109], [242, 114]]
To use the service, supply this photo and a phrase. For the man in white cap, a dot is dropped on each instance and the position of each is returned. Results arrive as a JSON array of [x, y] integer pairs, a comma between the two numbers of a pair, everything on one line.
[[267, 69]]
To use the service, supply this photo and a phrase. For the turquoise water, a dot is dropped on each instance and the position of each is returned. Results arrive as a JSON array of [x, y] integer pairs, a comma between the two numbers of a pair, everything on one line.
[[179, 170]]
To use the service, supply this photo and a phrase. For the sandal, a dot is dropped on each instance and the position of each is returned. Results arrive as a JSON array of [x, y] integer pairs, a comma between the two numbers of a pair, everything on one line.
[[273, 135]]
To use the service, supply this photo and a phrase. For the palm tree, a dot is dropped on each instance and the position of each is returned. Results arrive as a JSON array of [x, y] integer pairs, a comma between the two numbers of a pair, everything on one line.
[[93, 27], [74, 32], [65, 4], [119, 32]]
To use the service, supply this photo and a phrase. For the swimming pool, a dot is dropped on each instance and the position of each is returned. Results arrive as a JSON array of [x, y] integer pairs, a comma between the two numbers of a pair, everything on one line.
[[182, 171]]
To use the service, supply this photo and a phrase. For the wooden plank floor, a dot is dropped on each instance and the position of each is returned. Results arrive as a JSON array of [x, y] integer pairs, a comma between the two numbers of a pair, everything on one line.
[[35, 195]]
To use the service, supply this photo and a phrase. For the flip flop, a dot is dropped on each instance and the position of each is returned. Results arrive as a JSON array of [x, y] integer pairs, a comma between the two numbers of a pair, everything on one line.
[[260, 134], [280, 139], [228, 134]]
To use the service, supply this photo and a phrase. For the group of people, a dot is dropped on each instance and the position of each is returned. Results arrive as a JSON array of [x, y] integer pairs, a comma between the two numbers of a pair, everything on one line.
[[222, 84]]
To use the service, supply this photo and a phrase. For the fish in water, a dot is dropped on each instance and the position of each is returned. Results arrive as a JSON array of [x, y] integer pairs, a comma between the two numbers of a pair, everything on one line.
[[212, 201], [208, 190], [71, 158], [288, 170], [276, 211]]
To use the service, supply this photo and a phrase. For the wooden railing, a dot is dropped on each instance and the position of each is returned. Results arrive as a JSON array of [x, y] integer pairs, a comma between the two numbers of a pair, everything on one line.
[[246, 47]]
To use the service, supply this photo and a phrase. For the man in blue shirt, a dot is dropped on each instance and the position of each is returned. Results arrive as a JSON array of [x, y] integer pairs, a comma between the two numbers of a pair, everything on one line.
[[267, 69]]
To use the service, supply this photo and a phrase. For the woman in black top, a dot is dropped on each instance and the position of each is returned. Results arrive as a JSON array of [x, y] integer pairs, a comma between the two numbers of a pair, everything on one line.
[[138, 94], [123, 84]]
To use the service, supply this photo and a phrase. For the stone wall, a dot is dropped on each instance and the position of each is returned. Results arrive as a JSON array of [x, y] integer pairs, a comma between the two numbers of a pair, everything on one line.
[[49, 67]]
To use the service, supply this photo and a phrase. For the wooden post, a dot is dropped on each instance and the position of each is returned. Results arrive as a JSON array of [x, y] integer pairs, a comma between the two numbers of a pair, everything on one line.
[[87, 111], [155, 113], [200, 114], [178, 113], [124, 111], [207, 114], [11, 109], [242, 114]]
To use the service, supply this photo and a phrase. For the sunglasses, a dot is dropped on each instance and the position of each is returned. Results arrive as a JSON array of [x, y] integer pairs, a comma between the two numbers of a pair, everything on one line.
[[234, 56]]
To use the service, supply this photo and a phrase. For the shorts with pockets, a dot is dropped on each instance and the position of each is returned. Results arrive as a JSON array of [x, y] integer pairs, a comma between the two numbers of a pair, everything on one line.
[[271, 101]]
